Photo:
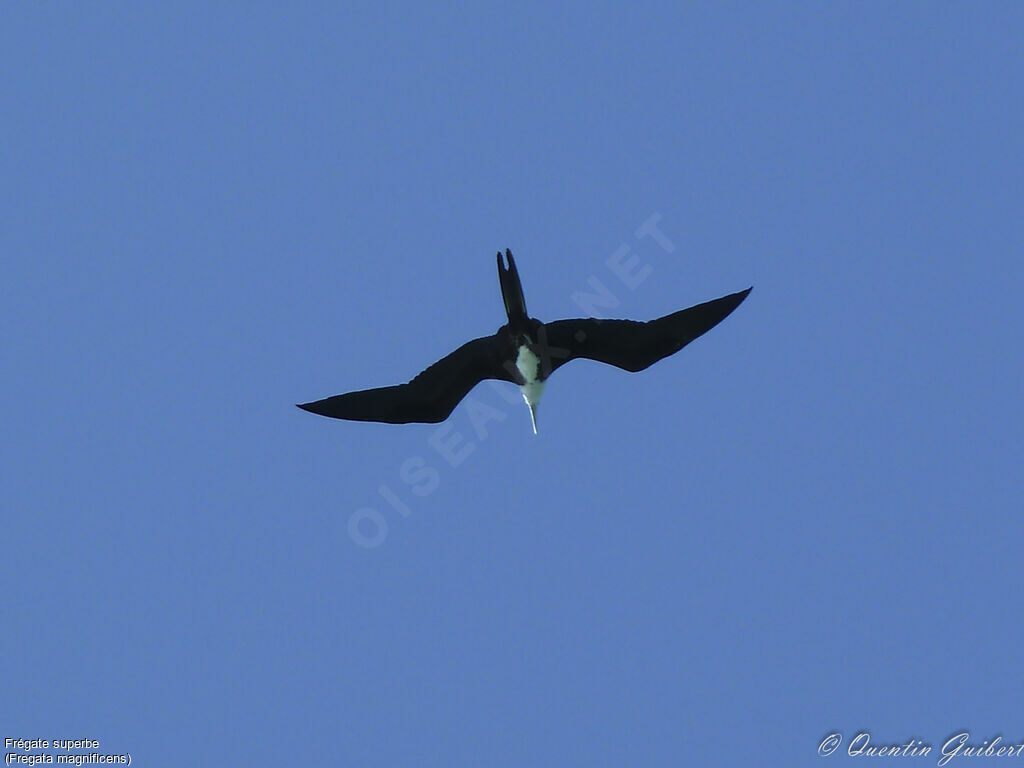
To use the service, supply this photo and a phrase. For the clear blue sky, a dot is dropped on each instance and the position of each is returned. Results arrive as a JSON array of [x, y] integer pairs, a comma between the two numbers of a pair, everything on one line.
[[808, 521]]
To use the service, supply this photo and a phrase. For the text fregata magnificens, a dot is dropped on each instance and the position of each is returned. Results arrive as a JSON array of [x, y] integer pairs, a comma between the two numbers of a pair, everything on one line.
[[526, 351]]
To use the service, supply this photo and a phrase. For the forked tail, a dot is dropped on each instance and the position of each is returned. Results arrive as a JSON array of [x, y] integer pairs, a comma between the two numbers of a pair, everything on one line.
[[511, 290]]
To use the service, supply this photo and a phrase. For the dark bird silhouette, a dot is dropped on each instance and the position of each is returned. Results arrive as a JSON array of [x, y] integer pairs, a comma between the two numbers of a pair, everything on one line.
[[526, 351]]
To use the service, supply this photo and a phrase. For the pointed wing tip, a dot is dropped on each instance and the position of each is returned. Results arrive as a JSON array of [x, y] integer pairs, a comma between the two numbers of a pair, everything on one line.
[[738, 297]]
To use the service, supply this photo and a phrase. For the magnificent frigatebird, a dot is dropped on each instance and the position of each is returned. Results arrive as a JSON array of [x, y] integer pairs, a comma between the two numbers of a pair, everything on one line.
[[526, 351]]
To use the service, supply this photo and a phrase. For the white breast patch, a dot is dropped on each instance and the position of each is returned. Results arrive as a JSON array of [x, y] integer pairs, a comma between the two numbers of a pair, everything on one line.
[[529, 366]]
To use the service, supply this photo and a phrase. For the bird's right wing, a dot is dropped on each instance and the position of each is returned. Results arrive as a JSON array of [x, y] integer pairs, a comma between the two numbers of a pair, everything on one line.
[[428, 398], [629, 344]]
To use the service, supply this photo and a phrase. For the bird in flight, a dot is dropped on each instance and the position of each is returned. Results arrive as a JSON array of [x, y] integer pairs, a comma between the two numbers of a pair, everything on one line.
[[526, 351]]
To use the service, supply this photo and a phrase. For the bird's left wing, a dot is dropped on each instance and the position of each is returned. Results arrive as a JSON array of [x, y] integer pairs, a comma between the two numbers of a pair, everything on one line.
[[629, 344], [428, 398]]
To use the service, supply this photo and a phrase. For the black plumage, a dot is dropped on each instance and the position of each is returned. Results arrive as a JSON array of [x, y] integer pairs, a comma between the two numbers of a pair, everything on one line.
[[432, 395]]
